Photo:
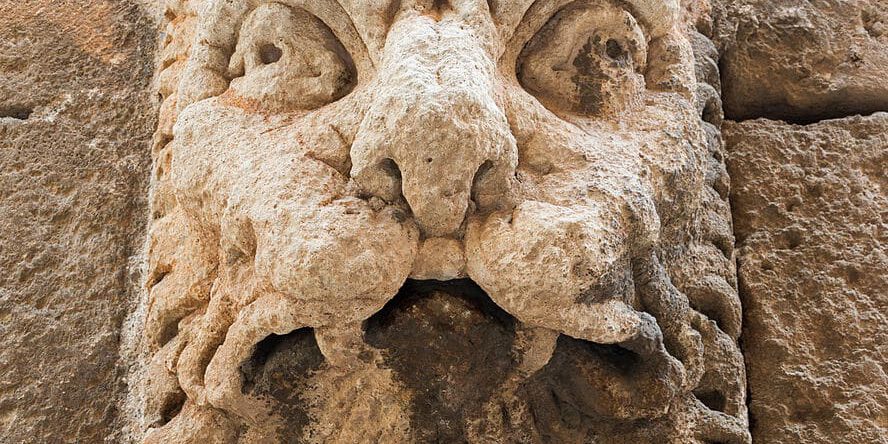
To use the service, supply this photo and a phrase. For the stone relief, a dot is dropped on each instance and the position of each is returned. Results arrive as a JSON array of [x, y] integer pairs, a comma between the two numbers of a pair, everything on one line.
[[345, 192]]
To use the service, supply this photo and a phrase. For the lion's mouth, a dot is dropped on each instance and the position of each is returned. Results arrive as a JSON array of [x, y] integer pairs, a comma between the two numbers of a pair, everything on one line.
[[446, 342], [454, 352], [451, 346]]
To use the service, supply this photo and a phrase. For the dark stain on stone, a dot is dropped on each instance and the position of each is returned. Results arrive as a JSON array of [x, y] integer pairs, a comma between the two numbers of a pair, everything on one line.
[[616, 281], [278, 371], [616, 52], [590, 77], [452, 346], [564, 395]]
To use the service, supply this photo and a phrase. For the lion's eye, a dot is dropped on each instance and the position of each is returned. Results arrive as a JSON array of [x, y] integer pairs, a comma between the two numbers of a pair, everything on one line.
[[587, 59], [287, 59]]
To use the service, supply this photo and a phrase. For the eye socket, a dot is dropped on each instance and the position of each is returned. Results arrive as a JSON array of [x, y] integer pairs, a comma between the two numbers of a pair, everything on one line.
[[587, 59], [288, 59]]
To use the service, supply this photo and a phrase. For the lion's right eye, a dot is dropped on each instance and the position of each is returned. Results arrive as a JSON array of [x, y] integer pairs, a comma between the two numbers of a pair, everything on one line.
[[288, 59], [587, 59]]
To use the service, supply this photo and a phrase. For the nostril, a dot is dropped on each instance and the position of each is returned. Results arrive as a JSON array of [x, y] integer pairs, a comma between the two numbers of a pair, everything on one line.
[[480, 180], [392, 191], [378, 177], [391, 168]]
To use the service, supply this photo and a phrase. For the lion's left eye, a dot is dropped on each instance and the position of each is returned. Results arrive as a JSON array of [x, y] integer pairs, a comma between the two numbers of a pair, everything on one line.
[[587, 59], [288, 59]]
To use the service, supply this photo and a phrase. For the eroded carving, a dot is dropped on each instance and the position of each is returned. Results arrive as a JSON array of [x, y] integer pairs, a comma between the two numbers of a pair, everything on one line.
[[313, 155]]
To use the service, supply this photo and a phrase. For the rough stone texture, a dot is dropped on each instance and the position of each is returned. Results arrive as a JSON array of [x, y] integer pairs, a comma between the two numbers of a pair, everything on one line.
[[558, 163], [429, 220], [802, 61], [809, 212], [811, 217], [76, 119]]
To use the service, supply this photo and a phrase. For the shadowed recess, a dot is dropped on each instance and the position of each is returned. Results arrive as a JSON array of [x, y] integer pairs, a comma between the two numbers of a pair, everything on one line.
[[563, 398], [279, 370], [451, 346], [17, 112]]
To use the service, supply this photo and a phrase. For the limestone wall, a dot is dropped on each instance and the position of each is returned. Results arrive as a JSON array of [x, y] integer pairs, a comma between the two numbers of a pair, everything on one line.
[[622, 197], [809, 201], [76, 119]]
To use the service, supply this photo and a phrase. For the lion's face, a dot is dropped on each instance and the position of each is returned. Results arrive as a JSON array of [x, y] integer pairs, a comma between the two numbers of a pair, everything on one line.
[[458, 136], [325, 152]]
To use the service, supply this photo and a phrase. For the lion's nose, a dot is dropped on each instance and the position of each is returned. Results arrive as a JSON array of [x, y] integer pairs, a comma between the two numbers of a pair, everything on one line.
[[454, 138], [448, 156], [434, 133]]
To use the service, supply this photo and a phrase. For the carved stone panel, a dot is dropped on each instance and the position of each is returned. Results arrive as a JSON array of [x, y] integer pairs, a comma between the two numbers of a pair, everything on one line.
[[456, 221]]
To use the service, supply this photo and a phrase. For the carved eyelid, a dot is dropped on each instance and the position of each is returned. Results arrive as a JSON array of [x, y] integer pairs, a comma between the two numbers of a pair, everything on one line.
[[269, 51], [218, 32], [585, 59], [287, 58], [656, 17], [613, 33]]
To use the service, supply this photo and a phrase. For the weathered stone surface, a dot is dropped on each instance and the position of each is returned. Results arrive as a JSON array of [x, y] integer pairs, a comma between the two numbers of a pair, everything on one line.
[[563, 158], [803, 61], [430, 220], [811, 216], [76, 116]]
